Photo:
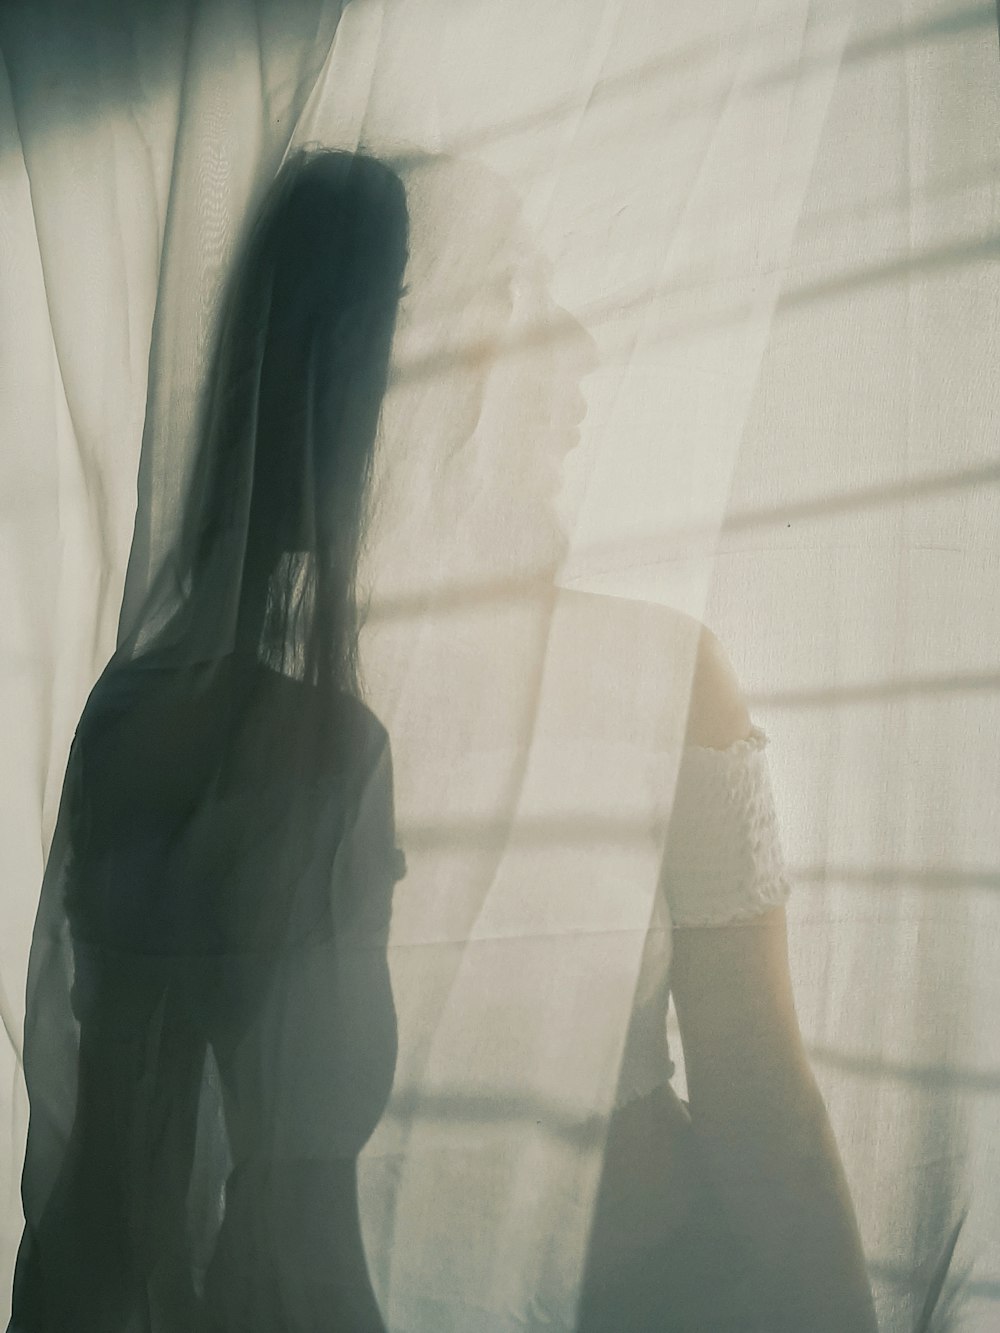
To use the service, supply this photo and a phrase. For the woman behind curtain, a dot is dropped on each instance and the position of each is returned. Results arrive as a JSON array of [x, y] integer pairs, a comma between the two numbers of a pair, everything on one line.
[[209, 1013], [521, 706]]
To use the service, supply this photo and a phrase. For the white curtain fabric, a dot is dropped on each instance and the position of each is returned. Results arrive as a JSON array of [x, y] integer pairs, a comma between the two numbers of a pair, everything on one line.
[[778, 224]]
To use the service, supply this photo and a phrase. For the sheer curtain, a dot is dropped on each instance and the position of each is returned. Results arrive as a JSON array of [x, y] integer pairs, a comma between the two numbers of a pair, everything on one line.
[[777, 224]]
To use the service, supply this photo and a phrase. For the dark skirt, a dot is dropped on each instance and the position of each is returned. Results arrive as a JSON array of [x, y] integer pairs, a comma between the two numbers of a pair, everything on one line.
[[185, 1199], [661, 1258]]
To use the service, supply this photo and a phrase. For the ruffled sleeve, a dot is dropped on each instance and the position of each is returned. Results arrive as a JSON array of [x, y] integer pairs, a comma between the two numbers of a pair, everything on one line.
[[723, 860]]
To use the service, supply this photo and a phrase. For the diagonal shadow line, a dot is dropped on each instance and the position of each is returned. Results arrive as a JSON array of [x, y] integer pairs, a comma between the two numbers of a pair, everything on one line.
[[932, 259], [891, 40], [577, 830], [864, 497], [604, 90], [699, 540], [921, 1076], [443, 360], [873, 691], [696, 541], [498, 1105], [933, 878], [875, 207], [702, 52]]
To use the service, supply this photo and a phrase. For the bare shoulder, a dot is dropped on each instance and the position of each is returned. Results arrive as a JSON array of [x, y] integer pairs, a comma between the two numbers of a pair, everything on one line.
[[717, 711], [718, 715], [667, 655]]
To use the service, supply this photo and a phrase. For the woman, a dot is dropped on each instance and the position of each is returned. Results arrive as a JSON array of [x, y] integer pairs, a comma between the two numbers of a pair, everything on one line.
[[245, 651], [210, 1033], [517, 705], [730, 1211]]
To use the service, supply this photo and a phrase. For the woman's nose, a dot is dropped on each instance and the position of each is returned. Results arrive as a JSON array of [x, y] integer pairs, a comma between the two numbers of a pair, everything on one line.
[[580, 350]]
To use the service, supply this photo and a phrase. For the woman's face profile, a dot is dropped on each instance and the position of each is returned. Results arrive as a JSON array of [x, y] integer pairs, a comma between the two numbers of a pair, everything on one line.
[[567, 354], [485, 398], [535, 394]]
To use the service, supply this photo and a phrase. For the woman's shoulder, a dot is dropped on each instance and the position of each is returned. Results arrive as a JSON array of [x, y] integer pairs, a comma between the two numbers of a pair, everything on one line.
[[718, 713], [668, 652], [126, 701], [364, 727]]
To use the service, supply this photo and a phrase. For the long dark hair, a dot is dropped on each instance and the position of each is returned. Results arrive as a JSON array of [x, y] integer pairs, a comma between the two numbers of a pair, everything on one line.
[[262, 573], [291, 413]]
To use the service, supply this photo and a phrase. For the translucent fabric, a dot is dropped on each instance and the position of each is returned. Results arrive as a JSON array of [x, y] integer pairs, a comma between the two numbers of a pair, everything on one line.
[[696, 323]]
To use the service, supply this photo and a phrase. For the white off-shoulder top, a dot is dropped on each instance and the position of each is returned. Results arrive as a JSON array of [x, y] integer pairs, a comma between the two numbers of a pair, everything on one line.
[[722, 863]]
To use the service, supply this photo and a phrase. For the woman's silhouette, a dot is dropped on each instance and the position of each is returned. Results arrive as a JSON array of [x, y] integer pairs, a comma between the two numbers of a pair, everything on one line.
[[210, 1034], [531, 726]]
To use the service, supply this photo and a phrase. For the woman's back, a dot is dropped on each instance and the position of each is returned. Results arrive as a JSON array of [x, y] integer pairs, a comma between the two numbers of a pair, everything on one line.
[[228, 888], [208, 808]]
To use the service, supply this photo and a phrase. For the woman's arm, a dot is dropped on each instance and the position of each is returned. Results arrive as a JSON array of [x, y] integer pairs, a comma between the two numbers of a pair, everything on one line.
[[755, 1106]]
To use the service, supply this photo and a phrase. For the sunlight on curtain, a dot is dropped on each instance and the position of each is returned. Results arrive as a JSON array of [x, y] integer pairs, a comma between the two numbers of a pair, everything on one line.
[[700, 319]]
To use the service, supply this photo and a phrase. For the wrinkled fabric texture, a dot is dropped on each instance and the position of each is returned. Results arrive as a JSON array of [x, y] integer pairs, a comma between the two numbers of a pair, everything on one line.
[[218, 895], [777, 224]]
